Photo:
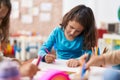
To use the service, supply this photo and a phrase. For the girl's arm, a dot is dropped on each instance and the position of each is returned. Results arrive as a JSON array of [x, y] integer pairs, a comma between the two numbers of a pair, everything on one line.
[[112, 58], [48, 44]]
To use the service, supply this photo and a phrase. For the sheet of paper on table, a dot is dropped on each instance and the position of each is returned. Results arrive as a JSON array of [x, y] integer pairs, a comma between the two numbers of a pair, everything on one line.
[[97, 73], [57, 65]]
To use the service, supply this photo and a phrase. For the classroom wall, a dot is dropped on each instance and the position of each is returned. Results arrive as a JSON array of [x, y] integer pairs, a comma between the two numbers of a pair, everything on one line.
[[35, 15], [107, 10], [67, 5], [104, 10]]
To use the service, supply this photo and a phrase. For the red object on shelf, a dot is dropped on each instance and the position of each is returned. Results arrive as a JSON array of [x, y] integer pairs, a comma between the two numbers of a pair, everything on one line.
[[101, 32]]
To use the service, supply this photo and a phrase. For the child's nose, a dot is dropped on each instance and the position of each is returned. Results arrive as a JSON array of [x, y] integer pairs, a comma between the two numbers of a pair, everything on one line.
[[72, 32]]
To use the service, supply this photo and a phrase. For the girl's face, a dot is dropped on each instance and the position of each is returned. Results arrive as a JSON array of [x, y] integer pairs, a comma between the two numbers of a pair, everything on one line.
[[3, 12], [73, 29]]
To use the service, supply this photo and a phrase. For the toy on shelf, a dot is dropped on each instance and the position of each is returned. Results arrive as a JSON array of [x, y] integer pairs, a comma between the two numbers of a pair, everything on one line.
[[9, 51]]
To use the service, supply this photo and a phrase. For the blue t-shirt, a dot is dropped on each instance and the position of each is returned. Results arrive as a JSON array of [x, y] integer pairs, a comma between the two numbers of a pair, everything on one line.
[[65, 49]]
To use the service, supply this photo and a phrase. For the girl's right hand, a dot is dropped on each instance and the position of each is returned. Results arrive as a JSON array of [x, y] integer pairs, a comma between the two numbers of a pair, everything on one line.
[[50, 58]]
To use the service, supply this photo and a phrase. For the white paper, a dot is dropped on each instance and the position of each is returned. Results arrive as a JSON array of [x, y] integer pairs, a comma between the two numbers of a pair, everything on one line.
[[34, 11], [15, 10], [15, 5], [45, 17], [46, 6], [57, 65], [15, 14], [27, 3], [96, 73], [27, 19]]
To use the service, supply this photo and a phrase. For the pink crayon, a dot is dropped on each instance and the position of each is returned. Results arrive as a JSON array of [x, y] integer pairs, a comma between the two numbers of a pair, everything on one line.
[[47, 51], [38, 61]]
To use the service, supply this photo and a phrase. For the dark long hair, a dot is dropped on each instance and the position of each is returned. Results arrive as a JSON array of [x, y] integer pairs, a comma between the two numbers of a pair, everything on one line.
[[84, 16], [5, 22]]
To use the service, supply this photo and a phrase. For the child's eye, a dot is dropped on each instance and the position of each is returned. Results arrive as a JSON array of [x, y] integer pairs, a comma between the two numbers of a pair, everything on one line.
[[77, 31], [71, 27]]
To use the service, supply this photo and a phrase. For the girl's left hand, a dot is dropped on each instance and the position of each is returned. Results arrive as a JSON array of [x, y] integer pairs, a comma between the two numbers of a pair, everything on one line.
[[73, 63]]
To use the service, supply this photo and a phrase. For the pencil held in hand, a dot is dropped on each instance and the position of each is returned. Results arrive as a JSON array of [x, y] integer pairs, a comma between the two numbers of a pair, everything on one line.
[[49, 58], [38, 60], [47, 50], [83, 67]]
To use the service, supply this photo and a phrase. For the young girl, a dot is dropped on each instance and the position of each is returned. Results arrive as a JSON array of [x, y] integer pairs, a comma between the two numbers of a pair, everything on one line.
[[5, 9], [72, 38]]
